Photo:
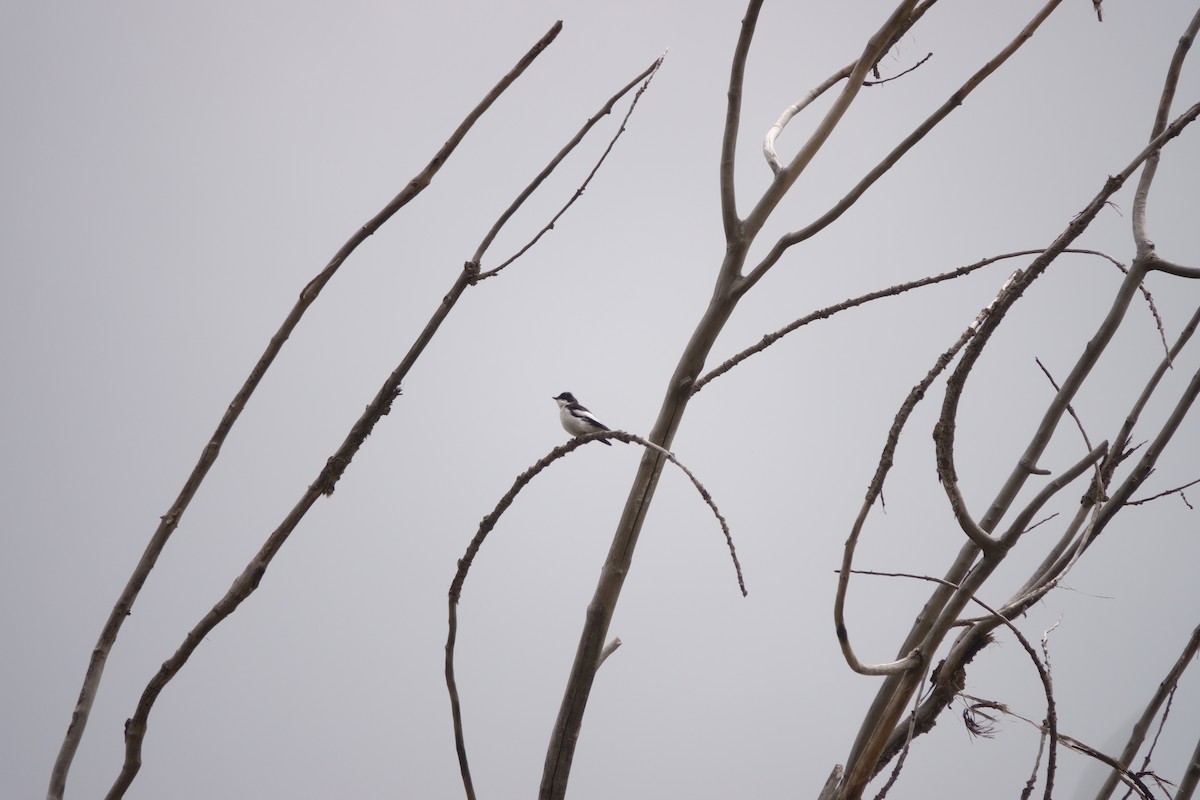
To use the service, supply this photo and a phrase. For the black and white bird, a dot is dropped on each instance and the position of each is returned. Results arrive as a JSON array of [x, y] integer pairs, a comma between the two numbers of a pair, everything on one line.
[[576, 419]]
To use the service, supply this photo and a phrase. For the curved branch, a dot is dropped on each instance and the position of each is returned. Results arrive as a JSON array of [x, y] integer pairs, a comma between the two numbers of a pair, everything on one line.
[[943, 439], [1158, 264], [874, 492], [1141, 238], [1094, 347], [876, 46], [795, 108], [842, 74], [488, 523], [124, 605]]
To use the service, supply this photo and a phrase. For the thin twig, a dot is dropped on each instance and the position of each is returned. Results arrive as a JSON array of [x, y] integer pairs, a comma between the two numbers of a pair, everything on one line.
[[1027, 791], [892, 291], [1070, 408], [522, 480], [882, 81], [645, 77], [1051, 716], [827, 312], [1177, 490]]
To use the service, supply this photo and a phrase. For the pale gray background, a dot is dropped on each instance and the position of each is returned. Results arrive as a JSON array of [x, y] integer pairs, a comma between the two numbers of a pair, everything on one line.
[[173, 175]]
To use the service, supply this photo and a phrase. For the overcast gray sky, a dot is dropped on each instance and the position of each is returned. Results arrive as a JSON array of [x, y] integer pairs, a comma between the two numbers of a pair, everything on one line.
[[174, 174]]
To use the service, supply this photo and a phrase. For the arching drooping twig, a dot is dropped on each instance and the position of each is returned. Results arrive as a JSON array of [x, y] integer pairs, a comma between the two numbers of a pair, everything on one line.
[[488, 523]]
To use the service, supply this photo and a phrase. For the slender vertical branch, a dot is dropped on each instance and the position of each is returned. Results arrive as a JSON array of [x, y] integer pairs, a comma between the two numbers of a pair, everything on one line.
[[733, 118], [1141, 237]]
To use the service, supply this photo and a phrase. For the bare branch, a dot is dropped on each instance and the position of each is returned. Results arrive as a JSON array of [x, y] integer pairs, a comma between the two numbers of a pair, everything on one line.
[[795, 108], [1051, 712], [942, 608], [609, 649], [898, 75], [1027, 791], [892, 291], [488, 523], [1095, 346], [1138, 734], [523, 480], [460, 742], [1020, 524], [874, 491], [1141, 471], [943, 437], [876, 46], [1159, 264], [1051, 724], [1177, 490], [955, 100], [1162, 333], [1191, 776], [1070, 408], [1121, 441], [912, 727], [733, 118], [124, 605], [1141, 238], [842, 74], [645, 77], [831, 783], [827, 312]]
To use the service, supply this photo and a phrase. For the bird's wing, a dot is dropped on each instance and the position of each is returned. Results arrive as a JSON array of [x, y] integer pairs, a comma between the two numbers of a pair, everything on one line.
[[581, 413]]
